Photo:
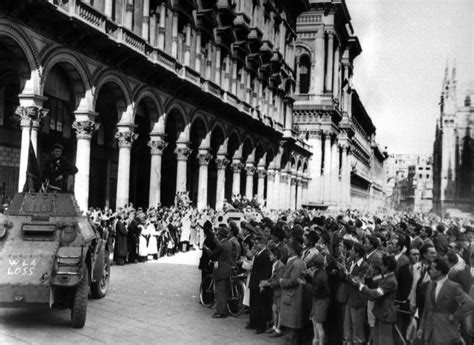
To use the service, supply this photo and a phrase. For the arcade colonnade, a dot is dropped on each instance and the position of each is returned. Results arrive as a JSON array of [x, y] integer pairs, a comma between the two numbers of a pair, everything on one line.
[[115, 119]]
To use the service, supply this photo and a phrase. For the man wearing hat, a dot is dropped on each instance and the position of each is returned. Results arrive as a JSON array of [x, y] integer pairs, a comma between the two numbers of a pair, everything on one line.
[[260, 299], [222, 257], [57, 169]]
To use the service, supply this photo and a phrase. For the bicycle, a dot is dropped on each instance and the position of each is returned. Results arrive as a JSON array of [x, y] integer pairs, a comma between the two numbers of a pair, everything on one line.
[[235, 304]]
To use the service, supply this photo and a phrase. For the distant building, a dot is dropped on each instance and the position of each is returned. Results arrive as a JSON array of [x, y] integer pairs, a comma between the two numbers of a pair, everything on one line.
[[409, 182], [346, 165], [453, 147]]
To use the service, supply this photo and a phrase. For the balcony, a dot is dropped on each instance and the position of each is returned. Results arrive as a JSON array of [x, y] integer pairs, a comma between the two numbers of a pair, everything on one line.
[[226, 12], [205, 20], [255, 39], [239, 50], [253, 62], [241, 26]]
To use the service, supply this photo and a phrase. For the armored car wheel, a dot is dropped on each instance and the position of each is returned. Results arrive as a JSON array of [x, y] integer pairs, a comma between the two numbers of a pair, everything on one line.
[[101, 285], [79, 304]]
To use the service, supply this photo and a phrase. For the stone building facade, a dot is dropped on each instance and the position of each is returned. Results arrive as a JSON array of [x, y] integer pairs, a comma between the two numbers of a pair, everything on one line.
[[347, 164], [409, 182], [154, 97], [453, 152]]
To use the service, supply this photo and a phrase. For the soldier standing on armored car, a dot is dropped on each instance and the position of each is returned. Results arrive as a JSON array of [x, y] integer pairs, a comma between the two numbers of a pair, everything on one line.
[[57, 169]]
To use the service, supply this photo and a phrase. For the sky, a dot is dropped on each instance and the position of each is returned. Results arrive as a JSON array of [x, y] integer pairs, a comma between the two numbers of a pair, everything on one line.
[[406, 45]]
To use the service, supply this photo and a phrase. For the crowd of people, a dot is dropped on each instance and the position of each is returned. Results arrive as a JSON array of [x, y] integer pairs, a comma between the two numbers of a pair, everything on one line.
[[346, 277], [337, 277]]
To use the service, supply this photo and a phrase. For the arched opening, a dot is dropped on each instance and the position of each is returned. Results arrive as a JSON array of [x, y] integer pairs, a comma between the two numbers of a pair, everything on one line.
[[61, 103], [174, 126], [217, 139], [14, 72], [140, 155], [104, 148], [304, 73], [198, 133]]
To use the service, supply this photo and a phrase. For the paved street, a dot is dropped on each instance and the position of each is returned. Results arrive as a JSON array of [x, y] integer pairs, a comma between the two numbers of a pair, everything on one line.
[[150, 303]]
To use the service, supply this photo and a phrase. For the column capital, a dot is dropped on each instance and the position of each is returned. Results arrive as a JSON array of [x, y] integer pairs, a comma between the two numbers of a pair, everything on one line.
[[221, 162], [293, 180], [204, 156], [182, 152], [30, 115], [85, 129], [157, 146], [271, 173], [237, 166], [126, 138], [250, 169], [261, 172], [284, 177]]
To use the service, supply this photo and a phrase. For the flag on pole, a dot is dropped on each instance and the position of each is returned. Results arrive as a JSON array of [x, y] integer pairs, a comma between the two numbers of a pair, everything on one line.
[[33, 172]]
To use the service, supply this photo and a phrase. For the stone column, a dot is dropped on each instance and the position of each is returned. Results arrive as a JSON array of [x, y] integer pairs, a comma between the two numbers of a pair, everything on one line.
[[237, 166], [129, 15], [336, 76], [30, 119], [318, 75], [334, 173], [330, 60], [271, 174], [250, 170], [174, 36], [204, 156], [108, 8], [315, 168], [146, 20], [182, 154], [261, 184], [299, 192], [348, 177], [292, 192], [326, 169], [84, 131], [304, 191], [125, 138], [187, 47], [197, 63], [157, 145], [284, 198], [161, 27], [217, 64], [221, 163]]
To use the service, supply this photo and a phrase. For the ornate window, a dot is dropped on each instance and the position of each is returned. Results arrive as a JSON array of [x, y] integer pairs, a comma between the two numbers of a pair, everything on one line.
[[304, 73]]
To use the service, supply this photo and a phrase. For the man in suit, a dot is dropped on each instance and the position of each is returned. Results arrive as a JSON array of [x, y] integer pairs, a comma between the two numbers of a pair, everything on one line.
[[260, 299], [355, 313], [222, 271], [384, 306], [120, 249], [405, 281], [446, 305]]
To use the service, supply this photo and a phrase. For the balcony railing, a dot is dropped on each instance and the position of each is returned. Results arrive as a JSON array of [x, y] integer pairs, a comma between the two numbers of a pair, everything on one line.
[[84, 12]]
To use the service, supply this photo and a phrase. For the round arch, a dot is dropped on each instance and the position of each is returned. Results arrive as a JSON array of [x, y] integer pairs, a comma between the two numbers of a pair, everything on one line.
[[109, 76], [20, 38], [152, 101], [77, 71]]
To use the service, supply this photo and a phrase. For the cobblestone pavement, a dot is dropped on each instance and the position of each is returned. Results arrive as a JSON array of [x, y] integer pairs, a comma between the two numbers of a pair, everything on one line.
[[149, 303]]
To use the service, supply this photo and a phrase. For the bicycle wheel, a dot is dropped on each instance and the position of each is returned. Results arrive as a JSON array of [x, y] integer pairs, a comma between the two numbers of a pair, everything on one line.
[[206, 292], [235, 304]]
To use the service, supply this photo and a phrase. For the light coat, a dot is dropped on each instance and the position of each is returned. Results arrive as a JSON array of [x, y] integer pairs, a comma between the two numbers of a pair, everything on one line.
[[291, 312]]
